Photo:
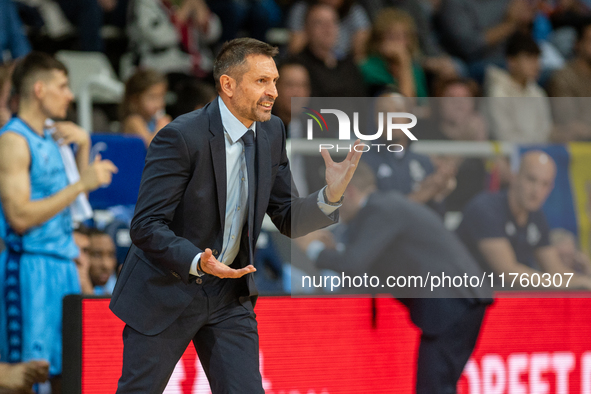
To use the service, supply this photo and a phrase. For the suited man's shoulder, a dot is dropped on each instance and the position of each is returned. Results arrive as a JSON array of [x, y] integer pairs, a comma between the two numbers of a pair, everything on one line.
[[275, 129], [276, 121]]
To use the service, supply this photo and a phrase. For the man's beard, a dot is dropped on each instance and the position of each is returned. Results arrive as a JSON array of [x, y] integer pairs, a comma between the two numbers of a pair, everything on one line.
[[252, 113], [264, 117]]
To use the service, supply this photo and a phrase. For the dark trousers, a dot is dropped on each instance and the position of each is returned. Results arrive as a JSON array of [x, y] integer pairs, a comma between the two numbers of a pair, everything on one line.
[[224, 332], [443, 356]]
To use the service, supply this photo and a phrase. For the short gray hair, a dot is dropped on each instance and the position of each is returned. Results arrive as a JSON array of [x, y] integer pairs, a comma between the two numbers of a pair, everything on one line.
[[232, 57]]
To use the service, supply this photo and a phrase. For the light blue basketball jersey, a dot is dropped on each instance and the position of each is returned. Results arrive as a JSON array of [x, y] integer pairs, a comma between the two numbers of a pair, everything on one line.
[[48, 176], [36, 269]]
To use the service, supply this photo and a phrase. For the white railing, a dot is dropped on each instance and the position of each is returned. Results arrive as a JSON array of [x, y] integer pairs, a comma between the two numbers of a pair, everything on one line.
[[482, 149], [85, 95], [92, 80]]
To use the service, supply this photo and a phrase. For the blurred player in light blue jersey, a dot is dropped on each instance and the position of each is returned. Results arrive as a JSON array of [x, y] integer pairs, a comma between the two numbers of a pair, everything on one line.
[[37, 268]]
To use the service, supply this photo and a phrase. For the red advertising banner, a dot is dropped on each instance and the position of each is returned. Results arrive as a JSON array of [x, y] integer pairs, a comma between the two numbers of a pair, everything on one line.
[[353, 345], [536, 345]]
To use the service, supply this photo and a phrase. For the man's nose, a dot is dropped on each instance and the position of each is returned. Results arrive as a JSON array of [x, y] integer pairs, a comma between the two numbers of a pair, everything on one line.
[[272, 92]]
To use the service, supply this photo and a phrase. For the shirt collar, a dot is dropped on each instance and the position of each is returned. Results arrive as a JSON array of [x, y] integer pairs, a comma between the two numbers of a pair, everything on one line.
[[232, 125]]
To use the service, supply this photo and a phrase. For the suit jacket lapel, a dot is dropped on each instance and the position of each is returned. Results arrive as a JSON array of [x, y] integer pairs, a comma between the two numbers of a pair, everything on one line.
[[218, 156], [263, 168]]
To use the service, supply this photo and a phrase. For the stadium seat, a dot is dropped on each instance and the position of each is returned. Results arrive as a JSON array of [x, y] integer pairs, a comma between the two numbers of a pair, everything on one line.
[[128, 153], [92, 80]]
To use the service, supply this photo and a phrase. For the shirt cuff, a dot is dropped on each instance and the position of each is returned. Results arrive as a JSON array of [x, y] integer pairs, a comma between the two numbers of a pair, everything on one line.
[[193, 270], [324, 207], [314, 249]]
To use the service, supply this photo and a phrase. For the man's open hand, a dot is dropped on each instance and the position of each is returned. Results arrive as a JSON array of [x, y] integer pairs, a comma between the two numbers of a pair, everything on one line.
[[210, 265], [338, 175], [98, 174]]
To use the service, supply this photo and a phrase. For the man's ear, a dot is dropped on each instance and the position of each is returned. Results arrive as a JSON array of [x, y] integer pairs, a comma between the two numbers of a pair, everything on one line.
[[39, 89], [228, 85]]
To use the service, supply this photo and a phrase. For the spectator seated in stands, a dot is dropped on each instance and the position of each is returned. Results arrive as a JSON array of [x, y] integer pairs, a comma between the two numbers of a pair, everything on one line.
[[455, 114], [20, 378], [255, 17], [200, 28], [83, 260], [353, 27], [103, 261], [170, 36], [507, 232], [294, 82], [142, 108], [573, 85], [329, 76], [570, 255], [412, 174], [88, 17], [393, 48], [524, 117], [455, 117], [566, 16], [12, 39], [476, 30], [433, 58]]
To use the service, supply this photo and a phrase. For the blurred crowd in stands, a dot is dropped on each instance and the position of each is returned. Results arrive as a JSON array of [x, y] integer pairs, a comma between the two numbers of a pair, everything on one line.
[[517, 48], [534, 54], [164, 49], [472, 70], [527, 50]]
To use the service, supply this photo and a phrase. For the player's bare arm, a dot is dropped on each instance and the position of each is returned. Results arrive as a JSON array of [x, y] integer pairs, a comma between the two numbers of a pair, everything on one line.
[[15, 186]]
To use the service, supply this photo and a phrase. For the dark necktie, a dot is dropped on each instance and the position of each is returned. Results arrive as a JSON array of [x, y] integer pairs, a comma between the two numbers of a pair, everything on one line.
[[249, 151]]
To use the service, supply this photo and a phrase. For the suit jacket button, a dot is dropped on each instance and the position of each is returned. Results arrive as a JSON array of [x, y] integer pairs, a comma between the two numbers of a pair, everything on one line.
[[215, 252], [198, 281], [175, 274]]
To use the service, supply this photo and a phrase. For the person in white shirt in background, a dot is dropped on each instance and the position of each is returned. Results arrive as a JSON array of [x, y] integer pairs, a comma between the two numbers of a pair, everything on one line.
[[519, 108]]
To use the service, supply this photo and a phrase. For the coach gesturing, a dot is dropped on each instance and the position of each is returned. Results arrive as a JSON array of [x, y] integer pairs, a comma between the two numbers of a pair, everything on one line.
[[210, 177]]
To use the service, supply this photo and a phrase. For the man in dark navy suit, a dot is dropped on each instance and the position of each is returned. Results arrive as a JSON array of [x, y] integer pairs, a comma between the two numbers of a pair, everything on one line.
[[210, 177]]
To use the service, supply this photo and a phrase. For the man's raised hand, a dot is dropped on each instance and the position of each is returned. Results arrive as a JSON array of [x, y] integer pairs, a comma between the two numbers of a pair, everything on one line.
[[210, 265], [338, 175], [99, 173], [70, 133]]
